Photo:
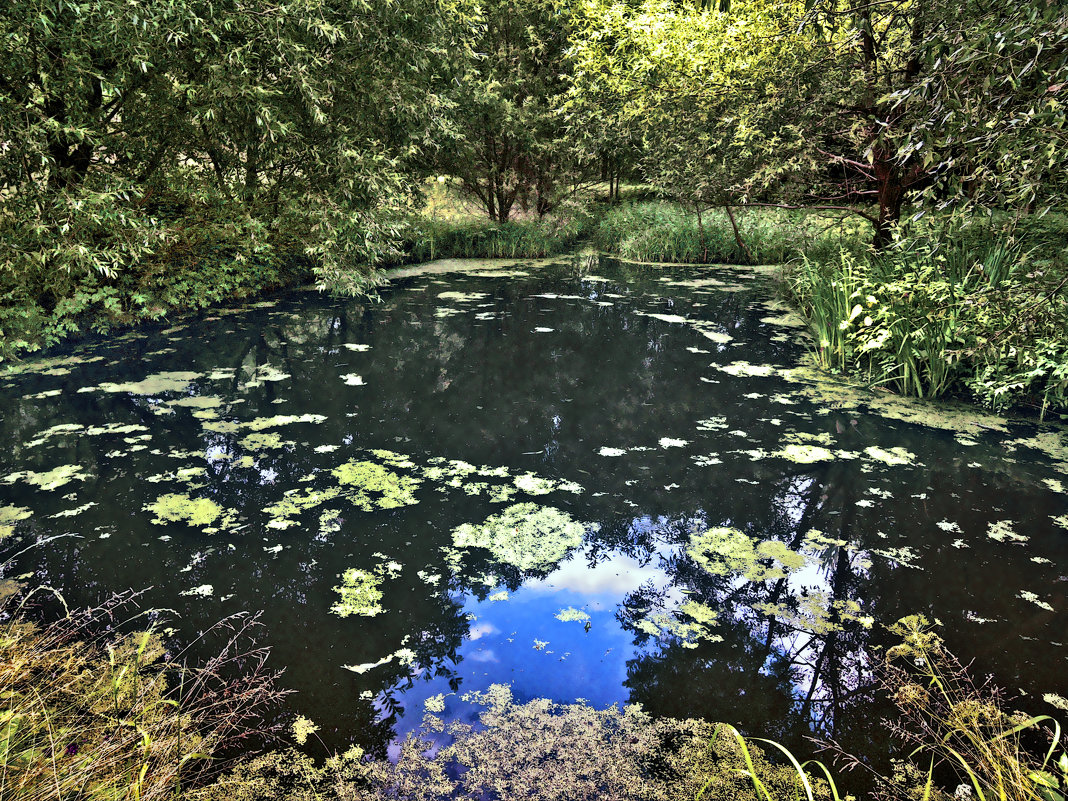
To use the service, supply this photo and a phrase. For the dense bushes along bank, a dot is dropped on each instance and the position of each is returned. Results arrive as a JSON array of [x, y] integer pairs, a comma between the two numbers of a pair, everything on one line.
[[980, 310]]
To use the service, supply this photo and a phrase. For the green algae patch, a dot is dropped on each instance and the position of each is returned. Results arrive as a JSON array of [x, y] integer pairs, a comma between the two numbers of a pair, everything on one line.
[[49, 480], [747, 370], [816, 613], [722, 551], [524, 535], [361, 590], [689, 624], [804, 454], [369, 485], [176, 507], [1032, 597], [9, 516], [572, 615], [259, 442], [294, 502], [890, 456], [155, 384], [1003, 531], [360, 594]]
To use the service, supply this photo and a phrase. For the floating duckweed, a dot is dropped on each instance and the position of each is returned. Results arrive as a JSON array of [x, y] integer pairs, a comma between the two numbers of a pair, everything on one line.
[[804, 454], [394, 459], [259, 442], [525, 535], [946, 525], [688, 631], [360, 594], [571, 615], [893, 456], [369, 479], [264, 373], [815, 612], [1002, 531], [534, 485], [9, 515], [175, 507], [668, 442], [746, 369], [294, 502], [435, 704], [77, 510], [502, 493], [707, 459], [1033, 598], [463, 297], [49, 480], [405, 656], [1056, 700], [712, 424], [155, 384], [724, 550], [197, 402]]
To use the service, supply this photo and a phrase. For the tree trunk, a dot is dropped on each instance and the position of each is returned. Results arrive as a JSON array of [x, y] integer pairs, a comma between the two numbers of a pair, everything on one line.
[[891, 191], [738, 237]]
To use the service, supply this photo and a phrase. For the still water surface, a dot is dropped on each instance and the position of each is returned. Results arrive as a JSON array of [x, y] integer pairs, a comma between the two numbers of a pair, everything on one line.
[[585, 480]]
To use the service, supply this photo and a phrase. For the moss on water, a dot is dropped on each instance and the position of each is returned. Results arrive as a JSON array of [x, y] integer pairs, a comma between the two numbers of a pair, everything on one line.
[[177, 507], [369, 485], [525, 535]]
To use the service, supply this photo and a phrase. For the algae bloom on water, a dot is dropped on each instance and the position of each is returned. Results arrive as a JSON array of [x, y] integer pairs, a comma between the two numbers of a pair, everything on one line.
[[524, 535]]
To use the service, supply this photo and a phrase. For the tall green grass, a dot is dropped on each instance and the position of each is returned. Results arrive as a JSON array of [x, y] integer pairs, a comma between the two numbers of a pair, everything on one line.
[[93, 717], [664, 232], [428, 239]]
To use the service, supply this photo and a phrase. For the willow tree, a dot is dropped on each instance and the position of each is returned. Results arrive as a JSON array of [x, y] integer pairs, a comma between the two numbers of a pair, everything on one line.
[[134, 133]]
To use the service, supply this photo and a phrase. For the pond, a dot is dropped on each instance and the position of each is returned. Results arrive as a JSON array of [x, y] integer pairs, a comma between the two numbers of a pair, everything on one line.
[[581, 478]]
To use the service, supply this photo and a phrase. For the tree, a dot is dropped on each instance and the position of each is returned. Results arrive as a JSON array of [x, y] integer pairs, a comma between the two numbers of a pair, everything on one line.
[[511, 145], [131, 131]]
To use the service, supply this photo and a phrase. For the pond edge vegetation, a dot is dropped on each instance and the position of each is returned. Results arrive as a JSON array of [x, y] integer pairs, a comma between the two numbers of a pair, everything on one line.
[[96, 706]]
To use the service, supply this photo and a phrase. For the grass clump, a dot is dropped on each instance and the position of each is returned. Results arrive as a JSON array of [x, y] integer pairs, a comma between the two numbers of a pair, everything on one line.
[[479, 238], [980, 310], [95, 716], [959, 733], [665, 232]]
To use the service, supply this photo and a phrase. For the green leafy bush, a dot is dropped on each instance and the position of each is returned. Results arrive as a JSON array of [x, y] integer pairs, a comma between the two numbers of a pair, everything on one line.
[[980, 309]]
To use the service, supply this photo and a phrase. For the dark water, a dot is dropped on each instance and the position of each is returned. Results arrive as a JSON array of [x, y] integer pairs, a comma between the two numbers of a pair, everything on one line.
[[545, 390]]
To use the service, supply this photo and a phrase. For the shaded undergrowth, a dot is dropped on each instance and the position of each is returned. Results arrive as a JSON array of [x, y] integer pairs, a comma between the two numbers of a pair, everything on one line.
[[90, 713]]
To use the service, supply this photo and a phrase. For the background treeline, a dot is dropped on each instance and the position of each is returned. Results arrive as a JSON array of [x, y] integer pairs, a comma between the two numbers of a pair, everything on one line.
[[162, 156]]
